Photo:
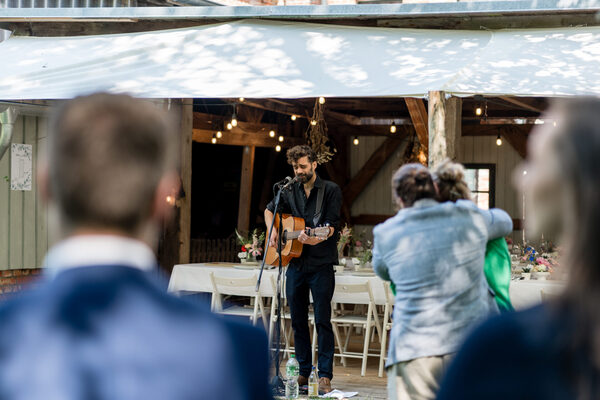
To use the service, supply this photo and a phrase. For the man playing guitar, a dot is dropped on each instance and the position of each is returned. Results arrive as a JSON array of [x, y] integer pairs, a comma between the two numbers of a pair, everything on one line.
[[318, 202]]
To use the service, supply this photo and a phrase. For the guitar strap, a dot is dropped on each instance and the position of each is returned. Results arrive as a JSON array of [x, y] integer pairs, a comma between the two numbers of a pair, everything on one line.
[[319, 207]]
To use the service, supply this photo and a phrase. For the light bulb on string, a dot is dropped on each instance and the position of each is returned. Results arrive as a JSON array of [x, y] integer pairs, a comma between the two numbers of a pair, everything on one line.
[[293, 117], [313, 122], [234, 121], [241, 99], [214, 139], [278, 148], [356, 141], [229, 126], [478, 111], [499, 141], [280, 138], [219, 134], [272, 133], [321, 100], [393, 128]]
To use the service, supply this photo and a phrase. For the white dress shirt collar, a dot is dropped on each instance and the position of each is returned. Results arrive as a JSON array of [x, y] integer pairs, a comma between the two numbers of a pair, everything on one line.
[[94, 250]]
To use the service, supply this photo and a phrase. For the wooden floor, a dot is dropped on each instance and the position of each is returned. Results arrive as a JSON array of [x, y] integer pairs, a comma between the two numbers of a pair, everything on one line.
[[348, 379]]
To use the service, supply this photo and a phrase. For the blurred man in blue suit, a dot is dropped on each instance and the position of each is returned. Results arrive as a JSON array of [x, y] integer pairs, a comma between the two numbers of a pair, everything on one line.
[[101, 325]]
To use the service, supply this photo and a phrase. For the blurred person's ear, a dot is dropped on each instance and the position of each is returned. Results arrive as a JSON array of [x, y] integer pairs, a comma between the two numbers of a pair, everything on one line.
[[43, 181]]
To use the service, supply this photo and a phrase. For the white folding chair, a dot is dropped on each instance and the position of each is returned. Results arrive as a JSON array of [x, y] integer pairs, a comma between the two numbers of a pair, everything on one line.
[[355, 294], [241, 287], [386, 325]]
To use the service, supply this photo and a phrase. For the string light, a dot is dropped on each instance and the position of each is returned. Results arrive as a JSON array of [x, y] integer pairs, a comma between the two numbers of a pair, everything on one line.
[[214, 139], [293, 117], [219, 134], [241, 99], [278, 148], [356, 141], [525, 172], [393, 127], [321, 100], [478, 111], [313, 122], [499, 141], [234, 120], [281, 138], [229, 126], [272, 133]]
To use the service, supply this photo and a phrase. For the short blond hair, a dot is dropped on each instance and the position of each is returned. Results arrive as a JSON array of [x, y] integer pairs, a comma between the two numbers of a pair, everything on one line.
[[106, 156]]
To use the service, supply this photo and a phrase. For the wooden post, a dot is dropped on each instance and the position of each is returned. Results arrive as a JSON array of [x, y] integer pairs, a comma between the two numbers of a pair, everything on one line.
[[246, 189], [445, 120], [185, 204]]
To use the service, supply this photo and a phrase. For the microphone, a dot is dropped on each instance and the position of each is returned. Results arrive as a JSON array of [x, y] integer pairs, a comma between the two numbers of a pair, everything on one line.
[[289, 181], [286, 183]]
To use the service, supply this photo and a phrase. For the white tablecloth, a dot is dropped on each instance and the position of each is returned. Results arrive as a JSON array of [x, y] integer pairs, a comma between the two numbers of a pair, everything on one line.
[[525, 294], [195, 278]]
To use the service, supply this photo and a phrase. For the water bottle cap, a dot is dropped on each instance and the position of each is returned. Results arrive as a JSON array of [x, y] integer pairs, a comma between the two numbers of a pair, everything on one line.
[[292, 356]]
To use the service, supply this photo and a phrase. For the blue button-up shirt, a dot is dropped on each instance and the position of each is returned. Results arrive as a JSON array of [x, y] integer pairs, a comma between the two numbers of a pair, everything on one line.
[[434, 253]]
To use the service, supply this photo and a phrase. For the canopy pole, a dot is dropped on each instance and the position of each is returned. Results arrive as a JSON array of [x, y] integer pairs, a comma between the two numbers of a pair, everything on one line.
[[445, 120]]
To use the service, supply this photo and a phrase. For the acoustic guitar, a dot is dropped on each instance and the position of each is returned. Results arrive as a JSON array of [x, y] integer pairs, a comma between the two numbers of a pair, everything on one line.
[[290, 229]]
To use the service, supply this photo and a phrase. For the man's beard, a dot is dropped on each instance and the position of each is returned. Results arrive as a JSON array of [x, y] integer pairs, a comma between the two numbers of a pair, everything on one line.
[[304, 178]]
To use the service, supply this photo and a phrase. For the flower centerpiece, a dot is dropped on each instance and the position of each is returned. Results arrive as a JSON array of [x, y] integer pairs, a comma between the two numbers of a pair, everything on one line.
[[366, 254], [344, 240], [251, 245], [542, 268]]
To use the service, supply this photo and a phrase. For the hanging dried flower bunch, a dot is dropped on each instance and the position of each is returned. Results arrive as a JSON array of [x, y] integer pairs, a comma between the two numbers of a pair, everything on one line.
[[316, 135]]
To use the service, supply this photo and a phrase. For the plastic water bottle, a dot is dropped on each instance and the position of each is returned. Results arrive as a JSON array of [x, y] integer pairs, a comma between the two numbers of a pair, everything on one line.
[[313, 384], [292, 371]]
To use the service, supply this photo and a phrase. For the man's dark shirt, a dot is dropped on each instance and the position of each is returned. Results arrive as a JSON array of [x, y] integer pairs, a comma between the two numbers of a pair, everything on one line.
[[295, 202]]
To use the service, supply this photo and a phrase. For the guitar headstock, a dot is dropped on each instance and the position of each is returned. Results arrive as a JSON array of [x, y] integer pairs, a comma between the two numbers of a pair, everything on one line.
[[320, 232]]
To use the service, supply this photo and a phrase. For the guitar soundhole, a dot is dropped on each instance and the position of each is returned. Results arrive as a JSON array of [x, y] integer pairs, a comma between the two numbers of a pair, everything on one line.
[[284, 238]]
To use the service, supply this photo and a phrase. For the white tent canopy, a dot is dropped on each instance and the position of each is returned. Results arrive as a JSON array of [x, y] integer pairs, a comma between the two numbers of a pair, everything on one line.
[[257, 58]]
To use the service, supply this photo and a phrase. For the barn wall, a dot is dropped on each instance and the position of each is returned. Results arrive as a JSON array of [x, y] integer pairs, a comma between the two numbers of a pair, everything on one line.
[[376, 198], [483, 149], [23, 219]]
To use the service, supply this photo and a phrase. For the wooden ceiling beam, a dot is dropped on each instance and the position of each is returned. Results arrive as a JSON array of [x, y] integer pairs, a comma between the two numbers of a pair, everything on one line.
[[517, 140], [365, 175], [493, 130], [418, 115], [215, 122], [238, 137], [522, 103]]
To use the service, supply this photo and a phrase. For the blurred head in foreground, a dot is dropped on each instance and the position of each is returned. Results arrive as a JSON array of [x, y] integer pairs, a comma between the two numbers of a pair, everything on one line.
[[109, 166], [562, 193], [411, 183]]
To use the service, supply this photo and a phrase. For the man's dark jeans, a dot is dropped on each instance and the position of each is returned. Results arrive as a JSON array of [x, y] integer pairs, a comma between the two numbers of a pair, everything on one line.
[[321, 283]]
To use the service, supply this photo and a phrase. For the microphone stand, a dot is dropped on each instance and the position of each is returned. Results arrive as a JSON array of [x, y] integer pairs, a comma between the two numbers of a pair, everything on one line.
[[278, 383]]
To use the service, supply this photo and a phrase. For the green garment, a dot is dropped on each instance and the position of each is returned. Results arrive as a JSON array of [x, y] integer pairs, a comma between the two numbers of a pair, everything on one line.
[[497, 272]]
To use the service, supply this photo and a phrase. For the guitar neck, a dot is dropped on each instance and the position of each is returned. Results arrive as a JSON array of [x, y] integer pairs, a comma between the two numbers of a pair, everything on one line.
[[293, 235]]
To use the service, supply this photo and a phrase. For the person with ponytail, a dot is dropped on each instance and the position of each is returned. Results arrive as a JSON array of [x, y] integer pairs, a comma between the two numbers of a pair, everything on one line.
[[449, 179], [551, 351], [433, 253]]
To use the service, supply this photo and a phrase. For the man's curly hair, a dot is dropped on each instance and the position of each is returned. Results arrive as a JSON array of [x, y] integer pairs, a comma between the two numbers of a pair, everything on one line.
[[297, 152]]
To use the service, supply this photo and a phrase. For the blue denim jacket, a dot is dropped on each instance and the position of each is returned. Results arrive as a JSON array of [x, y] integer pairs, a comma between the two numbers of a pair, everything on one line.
[[434, 253]]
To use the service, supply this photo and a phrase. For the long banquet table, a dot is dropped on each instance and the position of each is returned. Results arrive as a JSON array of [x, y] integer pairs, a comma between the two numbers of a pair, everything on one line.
[[194, 278]]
